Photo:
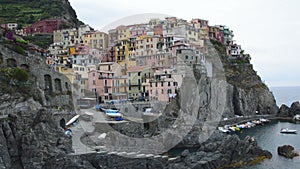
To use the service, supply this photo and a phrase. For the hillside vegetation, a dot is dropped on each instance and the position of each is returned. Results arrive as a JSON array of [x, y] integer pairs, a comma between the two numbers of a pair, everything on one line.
[[26, 12]]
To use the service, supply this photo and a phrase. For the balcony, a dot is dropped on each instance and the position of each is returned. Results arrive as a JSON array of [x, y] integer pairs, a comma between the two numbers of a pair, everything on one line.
[[105, 77]]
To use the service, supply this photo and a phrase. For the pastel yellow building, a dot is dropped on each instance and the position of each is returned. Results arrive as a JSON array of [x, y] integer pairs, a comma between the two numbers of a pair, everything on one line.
[[96, 40], [122, 54]]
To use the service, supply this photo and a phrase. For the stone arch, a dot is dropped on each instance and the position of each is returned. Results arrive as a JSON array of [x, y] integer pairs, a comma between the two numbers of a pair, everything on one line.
[[11, 62], [1, 58], [48, 83], [62, 123], [67, 86], [25, 67], [57, 84]]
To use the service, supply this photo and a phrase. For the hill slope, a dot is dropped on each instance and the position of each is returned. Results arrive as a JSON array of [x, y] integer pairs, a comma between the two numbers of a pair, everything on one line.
[[29, 11]]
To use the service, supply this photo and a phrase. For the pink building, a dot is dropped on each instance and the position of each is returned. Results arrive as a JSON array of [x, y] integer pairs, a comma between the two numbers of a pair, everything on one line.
[[107, 82], [163, 87]]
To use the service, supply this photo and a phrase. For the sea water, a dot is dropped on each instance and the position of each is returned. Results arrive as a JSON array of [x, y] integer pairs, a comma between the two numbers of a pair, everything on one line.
[[269, 136], [286, 95]]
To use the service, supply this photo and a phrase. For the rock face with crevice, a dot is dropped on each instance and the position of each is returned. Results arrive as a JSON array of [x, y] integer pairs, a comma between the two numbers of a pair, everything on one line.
[[29, 135]]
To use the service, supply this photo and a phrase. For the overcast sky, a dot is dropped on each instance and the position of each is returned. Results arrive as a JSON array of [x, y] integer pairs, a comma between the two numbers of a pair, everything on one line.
[[269, 30]]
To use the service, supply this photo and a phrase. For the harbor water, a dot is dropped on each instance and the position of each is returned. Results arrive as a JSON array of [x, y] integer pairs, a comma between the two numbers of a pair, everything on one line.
[[269, 137]]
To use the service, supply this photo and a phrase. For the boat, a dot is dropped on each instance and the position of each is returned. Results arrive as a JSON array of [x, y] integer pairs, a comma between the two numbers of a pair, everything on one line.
[[257, 122], [241, 126], [222, 129], [113, 113], [264, 120], [288, 131], [74, 119]]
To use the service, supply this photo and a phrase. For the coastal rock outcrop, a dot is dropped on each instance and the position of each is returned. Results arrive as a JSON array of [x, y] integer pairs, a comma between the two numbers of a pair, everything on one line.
[[286, 111], [287, 151], [223, 151], [294, 109]]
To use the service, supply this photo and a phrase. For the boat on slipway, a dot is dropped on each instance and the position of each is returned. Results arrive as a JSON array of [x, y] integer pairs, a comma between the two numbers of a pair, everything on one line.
[[288, 131]]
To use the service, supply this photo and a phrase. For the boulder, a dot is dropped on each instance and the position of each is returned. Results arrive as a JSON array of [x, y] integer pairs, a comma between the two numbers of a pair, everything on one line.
[[287, 151]]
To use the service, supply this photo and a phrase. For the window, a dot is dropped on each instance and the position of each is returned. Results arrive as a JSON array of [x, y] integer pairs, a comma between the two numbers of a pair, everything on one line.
[[162, 91], [150, 91], [150, 84], [175, 84], [105, 97], [139, 73], [186, 57], [162, 84], [155, 84], [93, 74], [94, 82], [169, 91], [169, 83]]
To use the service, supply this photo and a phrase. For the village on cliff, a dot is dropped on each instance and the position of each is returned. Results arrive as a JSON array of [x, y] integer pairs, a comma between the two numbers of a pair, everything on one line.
[[142, 62]]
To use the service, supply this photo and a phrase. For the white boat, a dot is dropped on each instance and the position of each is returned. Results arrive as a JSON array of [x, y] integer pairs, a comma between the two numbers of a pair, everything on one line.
[[113, 113], [288, 131], [222, 129], [264, 120], [72, 120]]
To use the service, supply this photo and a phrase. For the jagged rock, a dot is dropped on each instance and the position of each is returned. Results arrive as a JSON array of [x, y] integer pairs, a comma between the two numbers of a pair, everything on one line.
[[284, 111], [287, 151], [294, 109]]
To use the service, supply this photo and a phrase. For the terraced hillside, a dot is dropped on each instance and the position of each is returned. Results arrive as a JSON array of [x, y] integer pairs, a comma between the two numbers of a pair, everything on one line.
[[26, 12]]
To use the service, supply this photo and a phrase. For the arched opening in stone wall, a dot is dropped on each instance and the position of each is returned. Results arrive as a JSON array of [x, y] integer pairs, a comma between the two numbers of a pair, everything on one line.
[[48, 83], [25, 67], [67, 86], [57, 84], [62, 123], [11, 62], [1, 58]]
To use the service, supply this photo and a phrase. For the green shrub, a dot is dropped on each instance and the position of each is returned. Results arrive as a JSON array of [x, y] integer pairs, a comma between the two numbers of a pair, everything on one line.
[[20, 75], [19, 49]]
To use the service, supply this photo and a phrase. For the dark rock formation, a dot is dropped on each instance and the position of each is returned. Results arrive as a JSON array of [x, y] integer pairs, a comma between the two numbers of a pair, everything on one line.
[[287, 151], [285, 111], [294, 109], [29, 135], [223, 151], [219, 151]]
